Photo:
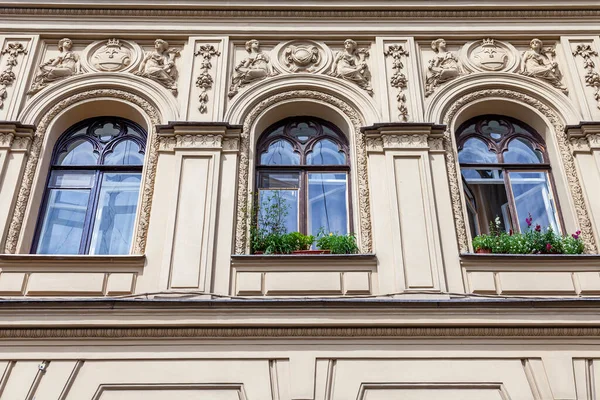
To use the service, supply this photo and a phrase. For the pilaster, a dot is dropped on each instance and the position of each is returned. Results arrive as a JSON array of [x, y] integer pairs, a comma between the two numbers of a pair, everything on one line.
[[15, 141], [196, 159], [584, 140], [411, 205]]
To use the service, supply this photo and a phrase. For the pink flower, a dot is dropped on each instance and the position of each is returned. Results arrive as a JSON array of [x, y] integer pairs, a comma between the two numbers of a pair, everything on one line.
[[548, 247], [576, 235], [529, 220], [538, 228]]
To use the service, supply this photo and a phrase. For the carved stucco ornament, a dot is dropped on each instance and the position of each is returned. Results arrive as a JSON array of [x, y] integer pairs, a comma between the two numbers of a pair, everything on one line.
[[489, 55], [141, 232], [66, 64], [398, 79], [442, 68], [7, 76], [111, 57], [243, 189], [205, 80], [159, 65], [351, 65], [592, 77], [255, 67], [583, 216], [302, 58], [539, 62]]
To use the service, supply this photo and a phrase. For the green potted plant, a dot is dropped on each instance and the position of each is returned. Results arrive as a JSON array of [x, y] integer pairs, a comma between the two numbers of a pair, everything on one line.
[[336, 243]]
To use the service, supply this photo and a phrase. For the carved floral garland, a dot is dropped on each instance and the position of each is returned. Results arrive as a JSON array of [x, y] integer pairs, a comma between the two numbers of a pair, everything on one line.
[[139, 242], [361, 167], [585, 224]]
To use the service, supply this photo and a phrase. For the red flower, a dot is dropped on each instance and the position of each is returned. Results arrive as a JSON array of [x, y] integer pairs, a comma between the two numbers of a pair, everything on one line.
[[548, 247], [576, 235], [510, 233], [538, 228]]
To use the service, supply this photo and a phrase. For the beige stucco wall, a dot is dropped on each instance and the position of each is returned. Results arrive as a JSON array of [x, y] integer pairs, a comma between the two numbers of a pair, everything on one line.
[[190, 236]]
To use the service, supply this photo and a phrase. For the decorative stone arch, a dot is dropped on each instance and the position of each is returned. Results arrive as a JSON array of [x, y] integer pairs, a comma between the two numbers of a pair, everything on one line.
[[448, 116], [45, 120], [359, 165]]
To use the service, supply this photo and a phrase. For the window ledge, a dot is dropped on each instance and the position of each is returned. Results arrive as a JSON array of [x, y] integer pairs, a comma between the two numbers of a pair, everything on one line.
[[303, 275], [531, 274], [68, 275]]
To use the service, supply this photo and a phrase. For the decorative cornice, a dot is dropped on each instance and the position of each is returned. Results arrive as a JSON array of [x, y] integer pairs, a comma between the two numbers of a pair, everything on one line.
[[584, 137], [198, 135], [361, 14], [299, 332], [15, 136]]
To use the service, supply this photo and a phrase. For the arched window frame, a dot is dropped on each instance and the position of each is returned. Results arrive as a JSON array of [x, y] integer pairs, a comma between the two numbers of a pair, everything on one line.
[[101, 148], [303, 150], [499, 148]]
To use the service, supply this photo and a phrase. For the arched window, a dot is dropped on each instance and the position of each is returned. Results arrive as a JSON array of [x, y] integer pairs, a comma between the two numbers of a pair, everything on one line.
[[305, 162], [91, 197], [506, 174]]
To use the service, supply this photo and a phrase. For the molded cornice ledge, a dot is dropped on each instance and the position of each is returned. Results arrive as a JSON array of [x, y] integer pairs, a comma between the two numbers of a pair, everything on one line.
[[584, 137], [15, 136], [410, 135], [198, 135]]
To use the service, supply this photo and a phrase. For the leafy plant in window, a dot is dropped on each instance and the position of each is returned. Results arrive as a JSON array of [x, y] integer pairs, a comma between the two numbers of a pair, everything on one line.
[[336, 243], [268, 233], [534, 241]]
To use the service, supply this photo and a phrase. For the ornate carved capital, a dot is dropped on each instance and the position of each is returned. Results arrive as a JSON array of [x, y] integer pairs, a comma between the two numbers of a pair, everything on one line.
[[584, 137], [393, 136], [196, 135], [15, 136]]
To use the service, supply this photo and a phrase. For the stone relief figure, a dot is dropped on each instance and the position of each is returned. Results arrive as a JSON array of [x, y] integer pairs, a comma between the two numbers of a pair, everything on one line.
[[443, 67], [538, 62], [65, 65], [159, 65], [253, 68], [351, 65]]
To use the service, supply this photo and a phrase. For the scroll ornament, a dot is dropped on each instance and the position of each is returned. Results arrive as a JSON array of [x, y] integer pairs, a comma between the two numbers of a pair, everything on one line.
[[205, 80], [7, 76], [398, 80], [592, 77]]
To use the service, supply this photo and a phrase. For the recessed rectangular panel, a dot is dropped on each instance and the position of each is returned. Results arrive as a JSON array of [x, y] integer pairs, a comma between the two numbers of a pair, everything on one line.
[[413, 221], [192, 215]]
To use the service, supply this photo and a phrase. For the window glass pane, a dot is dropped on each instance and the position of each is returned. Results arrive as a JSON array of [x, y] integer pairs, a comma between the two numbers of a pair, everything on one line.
[[278, 210], [107, 131], [488, 191], [327, 203], [115, 215], [495, 129], [278, 180], [326, 152], [72, 179], [303, 130], [62, 227], [126, 152], [476, 151], [532, 195], [80, 152], [520, 151], [280, 152]]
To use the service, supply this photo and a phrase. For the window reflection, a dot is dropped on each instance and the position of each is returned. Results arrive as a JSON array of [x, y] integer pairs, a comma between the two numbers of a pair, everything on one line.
[[91, 209]]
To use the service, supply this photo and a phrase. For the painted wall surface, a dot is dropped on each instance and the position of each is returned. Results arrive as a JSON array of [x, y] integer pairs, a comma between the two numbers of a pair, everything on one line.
[[205, 79]]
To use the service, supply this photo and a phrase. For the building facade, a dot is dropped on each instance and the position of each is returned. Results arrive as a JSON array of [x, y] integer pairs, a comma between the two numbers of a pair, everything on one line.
[[138, 141]]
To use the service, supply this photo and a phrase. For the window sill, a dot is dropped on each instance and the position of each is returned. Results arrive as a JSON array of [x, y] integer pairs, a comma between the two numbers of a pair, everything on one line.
[[531, 274], [66, 275], [303, 274]]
